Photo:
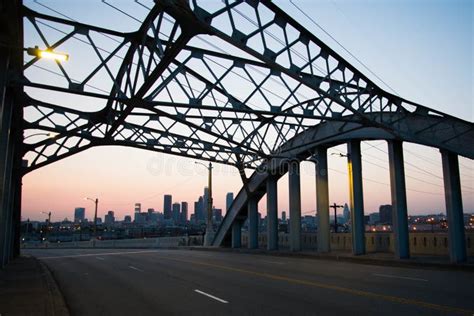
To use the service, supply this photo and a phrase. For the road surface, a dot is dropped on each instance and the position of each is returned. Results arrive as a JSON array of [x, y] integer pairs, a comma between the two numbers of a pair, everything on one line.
[[192, 282]]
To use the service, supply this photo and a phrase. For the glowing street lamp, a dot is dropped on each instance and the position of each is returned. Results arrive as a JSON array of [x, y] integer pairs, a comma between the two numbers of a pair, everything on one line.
[[49, 135], [46, 53]]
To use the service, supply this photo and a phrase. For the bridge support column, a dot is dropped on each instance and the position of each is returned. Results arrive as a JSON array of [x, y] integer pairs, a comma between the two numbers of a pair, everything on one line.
[[399, 199], [272, 213], [454, 210], [252, 208], [295, 205], [322, 199], [237, 234], [356, 197]]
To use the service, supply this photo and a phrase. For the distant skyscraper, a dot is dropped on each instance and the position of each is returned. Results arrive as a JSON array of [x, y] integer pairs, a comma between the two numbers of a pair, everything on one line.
[[138, 207], [184, 212], [217, 214], [127, 219], [167, 201], [79, 214], [283, 216], [176, 212], [346, 213], [229, 198], [200, 211], [109, 218], [385, 212]]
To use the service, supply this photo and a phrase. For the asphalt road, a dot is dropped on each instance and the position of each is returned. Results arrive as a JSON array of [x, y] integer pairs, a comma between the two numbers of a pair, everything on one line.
[[179, 282]]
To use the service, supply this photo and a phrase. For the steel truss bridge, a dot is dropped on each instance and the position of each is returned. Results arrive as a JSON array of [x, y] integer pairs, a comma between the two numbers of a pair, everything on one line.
[[240, 83]]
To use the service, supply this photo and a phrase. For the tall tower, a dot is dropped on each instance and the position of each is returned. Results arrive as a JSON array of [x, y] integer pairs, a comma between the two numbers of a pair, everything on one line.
[[176, 212], [167, 201], [229, 198], [346, 213], [184, 212]]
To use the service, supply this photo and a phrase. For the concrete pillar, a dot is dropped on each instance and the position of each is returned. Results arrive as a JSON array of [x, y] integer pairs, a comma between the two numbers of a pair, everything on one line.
[[252, 208], [399, 199], [356, 197], [322, 199], [237, 234], [295, 205], [454, 211], [272, 213]]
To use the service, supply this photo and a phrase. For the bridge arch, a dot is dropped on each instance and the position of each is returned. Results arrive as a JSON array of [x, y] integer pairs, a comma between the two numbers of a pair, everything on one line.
[[314, 142]]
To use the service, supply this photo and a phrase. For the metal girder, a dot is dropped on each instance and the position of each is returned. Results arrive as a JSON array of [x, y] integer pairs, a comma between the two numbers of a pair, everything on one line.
[[230, 82]]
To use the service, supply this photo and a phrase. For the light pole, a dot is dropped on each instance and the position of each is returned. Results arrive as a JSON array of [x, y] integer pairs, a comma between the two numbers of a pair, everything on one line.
[[209, 235], [49, 223], [335, 207], [50, 135], [96, 201]]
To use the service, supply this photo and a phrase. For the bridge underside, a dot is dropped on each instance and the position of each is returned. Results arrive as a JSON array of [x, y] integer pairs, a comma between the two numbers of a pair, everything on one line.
[[238, 83]]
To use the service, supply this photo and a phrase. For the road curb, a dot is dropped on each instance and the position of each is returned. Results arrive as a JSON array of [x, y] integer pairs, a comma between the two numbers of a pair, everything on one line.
[[56, 304]]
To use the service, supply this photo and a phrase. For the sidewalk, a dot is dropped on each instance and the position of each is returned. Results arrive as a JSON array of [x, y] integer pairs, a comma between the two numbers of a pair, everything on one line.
[[28, 288], [379, 258]]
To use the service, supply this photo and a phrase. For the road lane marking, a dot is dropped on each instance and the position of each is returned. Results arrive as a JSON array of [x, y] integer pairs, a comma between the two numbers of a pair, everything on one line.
[[100, 258], [394, 299], [135, 268], [95, 254], [398, 277], [272, 262], [211, 296]]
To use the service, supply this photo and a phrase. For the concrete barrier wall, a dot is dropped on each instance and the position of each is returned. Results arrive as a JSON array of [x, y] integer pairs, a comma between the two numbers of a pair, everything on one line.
[[421, 243], [159, 242]]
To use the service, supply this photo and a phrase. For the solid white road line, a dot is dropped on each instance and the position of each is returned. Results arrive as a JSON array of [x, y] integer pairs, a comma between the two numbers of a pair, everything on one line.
[[135, 268], [99, 258], [95, 254], [211, 296], [399, 277]]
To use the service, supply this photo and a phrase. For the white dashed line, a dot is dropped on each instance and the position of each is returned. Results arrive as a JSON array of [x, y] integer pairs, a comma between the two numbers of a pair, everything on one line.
[[135, 268], [399, 277], [211, 296]]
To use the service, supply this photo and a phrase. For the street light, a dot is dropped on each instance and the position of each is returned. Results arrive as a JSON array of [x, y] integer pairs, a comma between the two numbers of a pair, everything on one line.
[[46, 53], [49, 223], [96, 201], [50, 135], [209, 235]]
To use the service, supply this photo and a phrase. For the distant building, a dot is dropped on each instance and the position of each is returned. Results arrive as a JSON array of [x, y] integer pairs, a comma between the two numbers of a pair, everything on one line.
[[167, 201], [138, 207], [205, 203], [217, 215], [199, 211], [385, 213], [109, 218], [79, 214], [184, 212], [346, 213], [152, 216], [229, 198], [374, 218], [176, 212], [283, 216], [127, 219]]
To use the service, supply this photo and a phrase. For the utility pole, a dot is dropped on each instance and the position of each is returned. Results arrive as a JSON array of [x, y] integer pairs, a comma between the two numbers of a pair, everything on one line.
[[96, 201], [335, 207]]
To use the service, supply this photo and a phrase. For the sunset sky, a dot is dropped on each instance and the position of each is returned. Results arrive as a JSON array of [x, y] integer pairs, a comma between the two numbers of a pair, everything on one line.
[[422, 49]]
